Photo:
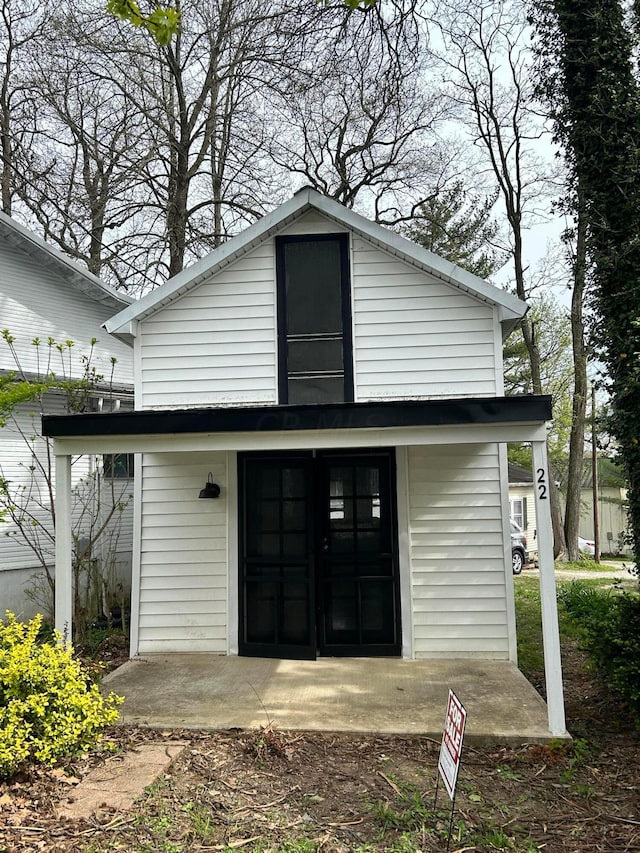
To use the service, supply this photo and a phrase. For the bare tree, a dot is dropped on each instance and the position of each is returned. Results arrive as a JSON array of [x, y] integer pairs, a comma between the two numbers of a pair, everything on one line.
[[86, 154], [198, 99], [27, 490], [22, 22], [489, 68], [363, 129]]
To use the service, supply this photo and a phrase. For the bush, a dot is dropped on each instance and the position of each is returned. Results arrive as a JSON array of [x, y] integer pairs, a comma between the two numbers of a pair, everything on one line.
[[49, 709], [584, 603], [609, 627]]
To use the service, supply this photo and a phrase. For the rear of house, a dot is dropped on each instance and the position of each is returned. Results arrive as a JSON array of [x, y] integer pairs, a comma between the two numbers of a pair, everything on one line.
[[343, 389]]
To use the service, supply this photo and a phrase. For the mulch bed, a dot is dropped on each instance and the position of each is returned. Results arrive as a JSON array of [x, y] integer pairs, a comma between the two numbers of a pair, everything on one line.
[[278, 791]]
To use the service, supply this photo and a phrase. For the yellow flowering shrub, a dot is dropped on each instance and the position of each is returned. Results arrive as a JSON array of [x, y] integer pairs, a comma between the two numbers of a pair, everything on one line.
[[48, 706]]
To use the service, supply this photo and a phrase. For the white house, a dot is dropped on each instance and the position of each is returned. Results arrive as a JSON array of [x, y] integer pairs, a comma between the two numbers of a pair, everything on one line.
[[612, 506], [342, 388], [44, 294], [522, 506]]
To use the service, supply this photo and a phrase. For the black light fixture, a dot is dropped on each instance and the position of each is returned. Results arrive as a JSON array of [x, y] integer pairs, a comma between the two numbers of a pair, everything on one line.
[[211, 489]]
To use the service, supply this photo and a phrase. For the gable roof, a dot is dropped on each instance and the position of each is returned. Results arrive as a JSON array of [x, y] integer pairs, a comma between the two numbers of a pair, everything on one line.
[[518, 475], [610, 475], [511, 309], [16, 235]]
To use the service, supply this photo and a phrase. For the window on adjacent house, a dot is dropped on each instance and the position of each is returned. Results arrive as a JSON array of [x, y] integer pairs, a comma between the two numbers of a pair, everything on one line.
[[118, 466], [314, 319], [518, 508]]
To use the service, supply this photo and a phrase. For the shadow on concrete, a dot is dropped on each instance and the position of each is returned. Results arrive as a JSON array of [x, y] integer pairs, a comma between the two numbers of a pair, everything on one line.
[[383, 695]]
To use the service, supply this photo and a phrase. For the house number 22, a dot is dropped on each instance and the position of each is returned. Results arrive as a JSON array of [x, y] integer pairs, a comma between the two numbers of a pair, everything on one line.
[[542, 484]]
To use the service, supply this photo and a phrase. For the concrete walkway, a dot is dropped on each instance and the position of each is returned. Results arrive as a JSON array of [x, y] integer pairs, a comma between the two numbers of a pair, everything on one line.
[[384, 695]]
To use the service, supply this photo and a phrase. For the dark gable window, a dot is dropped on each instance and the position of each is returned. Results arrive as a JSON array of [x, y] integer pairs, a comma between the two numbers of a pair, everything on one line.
[[314, 319]]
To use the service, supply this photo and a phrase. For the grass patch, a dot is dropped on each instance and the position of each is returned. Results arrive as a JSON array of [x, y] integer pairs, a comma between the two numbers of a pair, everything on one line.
[[529, 619], [588, 564], [529, 625]]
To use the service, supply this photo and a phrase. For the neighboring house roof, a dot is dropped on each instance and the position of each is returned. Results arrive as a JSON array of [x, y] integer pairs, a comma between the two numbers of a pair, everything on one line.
[[519, 476], [511, 309], [610, 475], [16, 235]]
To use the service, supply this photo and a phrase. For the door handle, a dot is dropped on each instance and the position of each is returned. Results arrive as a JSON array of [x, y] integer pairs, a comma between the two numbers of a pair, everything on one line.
[[325, 544]]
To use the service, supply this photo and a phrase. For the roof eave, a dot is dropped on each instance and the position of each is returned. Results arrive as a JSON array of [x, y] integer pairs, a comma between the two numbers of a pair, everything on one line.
[[82, 280], [306, 199], [216, 260]]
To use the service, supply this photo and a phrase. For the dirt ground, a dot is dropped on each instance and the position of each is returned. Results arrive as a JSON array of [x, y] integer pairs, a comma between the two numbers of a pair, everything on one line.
[[273, 791]]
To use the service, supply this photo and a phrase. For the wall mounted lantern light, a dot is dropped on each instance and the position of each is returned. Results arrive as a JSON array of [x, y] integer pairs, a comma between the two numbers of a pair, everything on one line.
[[211, 489]]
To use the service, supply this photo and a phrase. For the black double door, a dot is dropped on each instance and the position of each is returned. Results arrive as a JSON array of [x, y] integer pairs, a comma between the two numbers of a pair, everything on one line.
[[318, 555]]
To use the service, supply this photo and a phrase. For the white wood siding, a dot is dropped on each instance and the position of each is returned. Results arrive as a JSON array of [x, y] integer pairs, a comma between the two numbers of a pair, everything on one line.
[[417, 337], [312, 223], [15, 462], [183, 555], [217, 344], [414, 336], [525, 493], [34, 302], [457, 552]]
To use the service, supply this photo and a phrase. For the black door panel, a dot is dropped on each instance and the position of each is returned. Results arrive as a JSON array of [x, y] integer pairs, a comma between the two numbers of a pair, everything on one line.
[[277, 578], [318, 558], [357, 567]]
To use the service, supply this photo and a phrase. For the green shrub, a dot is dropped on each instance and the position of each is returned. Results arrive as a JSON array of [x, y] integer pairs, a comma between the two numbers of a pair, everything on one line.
[[584, 603], [48, 707], [609, 629]]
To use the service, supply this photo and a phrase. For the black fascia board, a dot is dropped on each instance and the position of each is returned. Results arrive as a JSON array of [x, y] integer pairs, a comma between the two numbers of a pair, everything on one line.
[[376, 415]]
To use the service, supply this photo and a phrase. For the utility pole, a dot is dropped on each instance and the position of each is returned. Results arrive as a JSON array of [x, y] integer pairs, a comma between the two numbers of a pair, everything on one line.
[[594, 477]]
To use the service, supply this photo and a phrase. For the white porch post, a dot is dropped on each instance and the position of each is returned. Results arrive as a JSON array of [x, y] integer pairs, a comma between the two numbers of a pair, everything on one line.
[[64, 579], [550, 629]]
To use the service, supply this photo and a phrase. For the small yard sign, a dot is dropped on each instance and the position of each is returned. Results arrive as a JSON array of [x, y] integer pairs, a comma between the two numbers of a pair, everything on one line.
[[451, 747]]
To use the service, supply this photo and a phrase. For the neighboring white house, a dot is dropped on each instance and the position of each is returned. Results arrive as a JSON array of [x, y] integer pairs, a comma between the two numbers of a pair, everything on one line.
[[342, 389], [522, 505], [44, 294], [612, 506]]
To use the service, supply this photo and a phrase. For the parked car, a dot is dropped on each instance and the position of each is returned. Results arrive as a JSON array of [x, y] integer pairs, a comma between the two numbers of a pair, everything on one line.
[[586, 546], [518, 547]]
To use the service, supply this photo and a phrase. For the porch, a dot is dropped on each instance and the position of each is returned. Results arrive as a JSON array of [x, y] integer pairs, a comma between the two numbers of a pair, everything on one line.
[[383, 695]]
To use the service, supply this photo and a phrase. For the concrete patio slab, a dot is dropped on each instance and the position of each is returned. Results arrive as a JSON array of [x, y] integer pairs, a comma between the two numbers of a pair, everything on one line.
[[383, 695]]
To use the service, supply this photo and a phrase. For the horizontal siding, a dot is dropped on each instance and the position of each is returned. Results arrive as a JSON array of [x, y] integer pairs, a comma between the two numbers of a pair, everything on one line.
[[183, 556], [217, 344], [415, 336], [457, 552], [312, 222], [35, 302], [115, 543], [526, 493], [159, 646]]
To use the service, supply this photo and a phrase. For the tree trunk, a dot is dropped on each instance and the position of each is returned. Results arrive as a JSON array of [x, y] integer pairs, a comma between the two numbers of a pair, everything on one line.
[[6, 162], [576, 439], [529, 335]]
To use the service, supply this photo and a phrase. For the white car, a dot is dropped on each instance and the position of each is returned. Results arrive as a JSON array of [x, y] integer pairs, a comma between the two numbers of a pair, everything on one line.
[[587, 546]]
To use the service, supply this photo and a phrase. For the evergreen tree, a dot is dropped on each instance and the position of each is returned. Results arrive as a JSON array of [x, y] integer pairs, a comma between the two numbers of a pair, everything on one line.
[[458, 226]]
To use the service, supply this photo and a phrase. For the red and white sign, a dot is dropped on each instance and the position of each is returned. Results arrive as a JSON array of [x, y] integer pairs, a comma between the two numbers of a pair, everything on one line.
[[451, 747]]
